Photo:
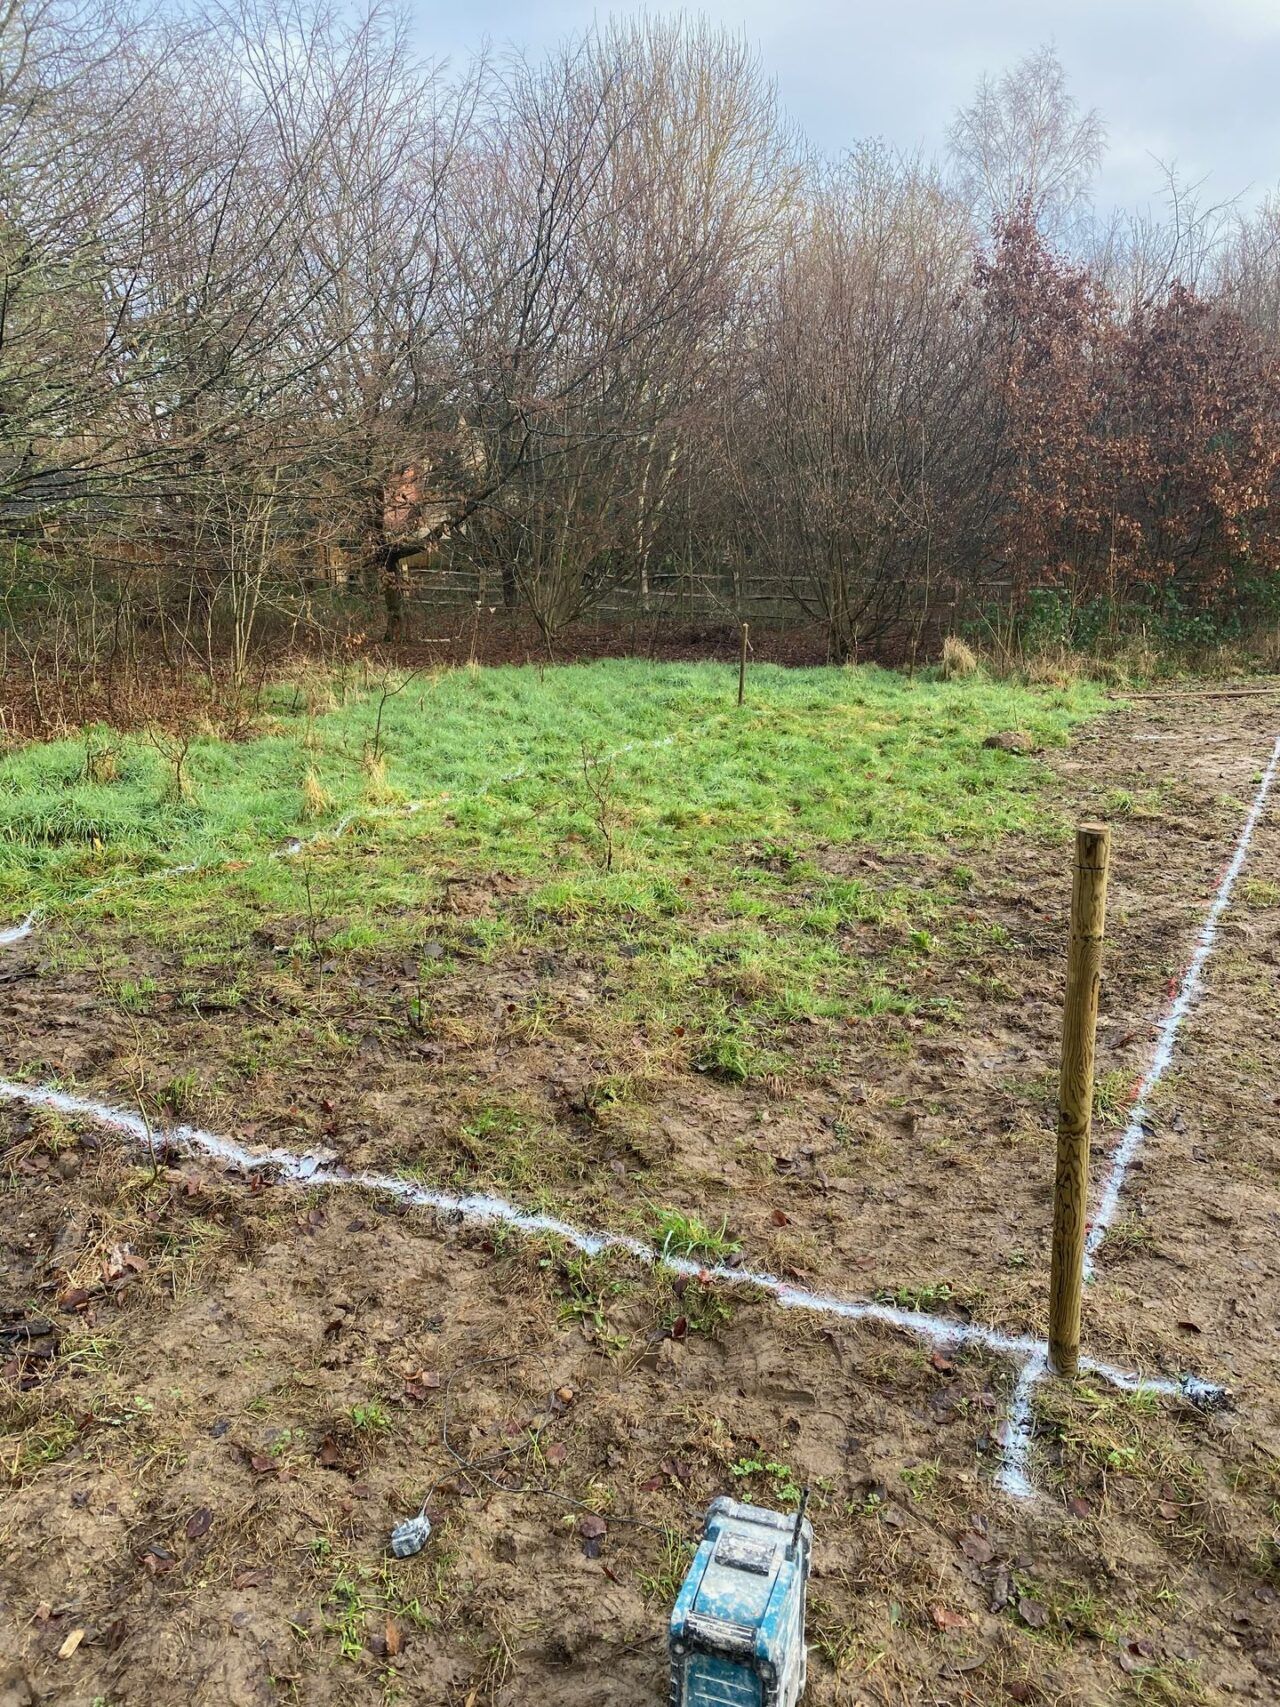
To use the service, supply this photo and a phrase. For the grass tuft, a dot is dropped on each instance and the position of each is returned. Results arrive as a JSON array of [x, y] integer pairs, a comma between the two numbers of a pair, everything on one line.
[[316, 799]]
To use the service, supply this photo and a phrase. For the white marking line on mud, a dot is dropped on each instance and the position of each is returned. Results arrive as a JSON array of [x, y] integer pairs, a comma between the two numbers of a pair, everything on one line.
[[1013, 1477], [1188, 990], [24, 928], [481, 1209]]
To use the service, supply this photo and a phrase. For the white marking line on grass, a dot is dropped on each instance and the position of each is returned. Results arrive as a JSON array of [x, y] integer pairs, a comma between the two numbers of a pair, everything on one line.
[[1013, 1477], [481, 1209]]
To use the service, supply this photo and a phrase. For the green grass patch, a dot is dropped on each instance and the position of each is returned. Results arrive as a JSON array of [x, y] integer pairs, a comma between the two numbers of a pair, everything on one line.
[[817, 754], [677, 1234], [730, 908]]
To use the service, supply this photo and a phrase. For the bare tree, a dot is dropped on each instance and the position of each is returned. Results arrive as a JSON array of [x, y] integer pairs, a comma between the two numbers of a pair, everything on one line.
[[1023, 141], [293, 317], [855, 425]]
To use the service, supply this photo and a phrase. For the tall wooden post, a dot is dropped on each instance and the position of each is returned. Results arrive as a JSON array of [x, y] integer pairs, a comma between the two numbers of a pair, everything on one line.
[[1075, 1094], [742, 663]]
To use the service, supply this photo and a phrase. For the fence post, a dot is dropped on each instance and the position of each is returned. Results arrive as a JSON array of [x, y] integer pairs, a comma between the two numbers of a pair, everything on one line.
[[742, 663], [1075, 1094]]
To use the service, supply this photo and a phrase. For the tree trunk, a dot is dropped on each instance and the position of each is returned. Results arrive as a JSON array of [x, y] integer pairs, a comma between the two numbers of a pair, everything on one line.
[[392, 595]]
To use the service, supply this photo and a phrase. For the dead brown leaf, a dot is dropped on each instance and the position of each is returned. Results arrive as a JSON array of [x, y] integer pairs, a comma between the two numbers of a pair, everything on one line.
[[1033, 1614], [198, 1523], [593, 1529], [977, 1549], [948, 1618]]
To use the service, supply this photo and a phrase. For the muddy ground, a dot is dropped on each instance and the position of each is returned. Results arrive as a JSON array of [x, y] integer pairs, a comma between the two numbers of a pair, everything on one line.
[[220, 1396]]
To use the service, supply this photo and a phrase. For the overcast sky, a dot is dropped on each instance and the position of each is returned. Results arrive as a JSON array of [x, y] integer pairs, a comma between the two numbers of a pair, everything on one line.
[[1194, 83]]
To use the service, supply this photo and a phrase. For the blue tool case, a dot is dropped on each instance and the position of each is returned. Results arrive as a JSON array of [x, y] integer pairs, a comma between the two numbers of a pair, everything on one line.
[[737, 1628]]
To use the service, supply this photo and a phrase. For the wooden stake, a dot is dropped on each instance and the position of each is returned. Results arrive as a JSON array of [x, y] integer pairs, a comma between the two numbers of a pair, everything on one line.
[[742, 664], [1075, 1094]]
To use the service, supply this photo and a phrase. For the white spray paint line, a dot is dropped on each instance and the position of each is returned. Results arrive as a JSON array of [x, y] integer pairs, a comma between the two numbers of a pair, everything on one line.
[[1189, 989], [1013, 1476], [24, 928], [480, 1209]]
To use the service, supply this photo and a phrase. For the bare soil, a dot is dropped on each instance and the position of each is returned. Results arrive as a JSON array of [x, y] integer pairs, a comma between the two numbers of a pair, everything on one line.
[[222, 1396]]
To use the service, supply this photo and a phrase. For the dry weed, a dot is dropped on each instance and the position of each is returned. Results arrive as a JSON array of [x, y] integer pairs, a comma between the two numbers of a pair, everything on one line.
[[959, 660], [316, 801]]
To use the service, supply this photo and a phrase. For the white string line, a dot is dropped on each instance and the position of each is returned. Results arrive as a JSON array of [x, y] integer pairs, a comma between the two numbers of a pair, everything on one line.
[[296, 845], [479, 1208], [1013, 1476]]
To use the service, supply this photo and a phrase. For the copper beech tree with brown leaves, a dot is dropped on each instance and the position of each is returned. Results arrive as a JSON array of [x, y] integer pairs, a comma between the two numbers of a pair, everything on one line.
[[1204, 398], [1134, 452]]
